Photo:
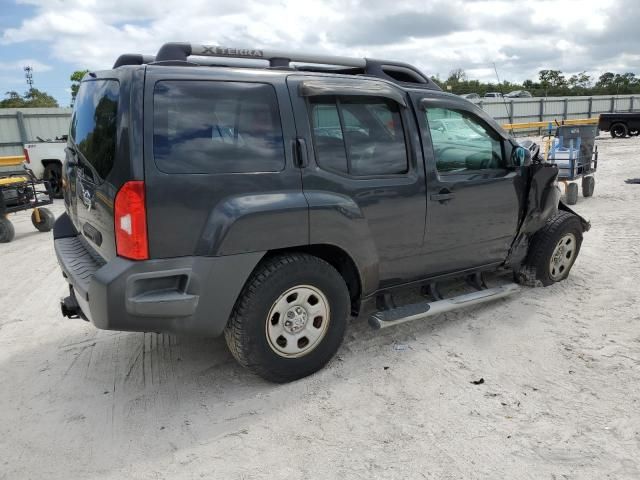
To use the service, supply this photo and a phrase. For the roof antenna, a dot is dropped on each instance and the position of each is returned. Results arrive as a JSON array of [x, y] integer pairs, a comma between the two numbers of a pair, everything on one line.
[[504, 101]]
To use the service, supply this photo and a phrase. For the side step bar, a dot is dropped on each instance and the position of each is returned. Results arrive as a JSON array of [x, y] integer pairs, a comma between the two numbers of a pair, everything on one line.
[[419, 311]]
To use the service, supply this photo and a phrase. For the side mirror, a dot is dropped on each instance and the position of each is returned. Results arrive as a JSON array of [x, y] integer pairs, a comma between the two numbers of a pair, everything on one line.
[[520, 157]]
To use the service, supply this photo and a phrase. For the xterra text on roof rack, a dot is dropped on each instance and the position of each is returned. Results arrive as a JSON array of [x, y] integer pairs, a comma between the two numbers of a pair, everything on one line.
[[270, 202]]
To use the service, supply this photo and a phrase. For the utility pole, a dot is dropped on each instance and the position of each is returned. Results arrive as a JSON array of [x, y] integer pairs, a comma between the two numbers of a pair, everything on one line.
[[28, 73]]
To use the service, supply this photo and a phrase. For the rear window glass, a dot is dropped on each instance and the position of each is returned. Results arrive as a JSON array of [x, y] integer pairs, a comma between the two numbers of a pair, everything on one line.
[[216, 127], [93, 126]]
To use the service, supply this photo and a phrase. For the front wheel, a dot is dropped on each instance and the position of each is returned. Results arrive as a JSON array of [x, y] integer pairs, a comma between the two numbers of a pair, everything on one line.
[[552, 251], [290, 318]]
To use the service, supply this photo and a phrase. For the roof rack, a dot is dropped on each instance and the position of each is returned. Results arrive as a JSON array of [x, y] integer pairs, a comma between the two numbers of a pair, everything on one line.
[[133, 59], [179, 53]]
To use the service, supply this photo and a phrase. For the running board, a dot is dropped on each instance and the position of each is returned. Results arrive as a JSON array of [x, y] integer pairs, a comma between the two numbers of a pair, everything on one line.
[[418, 311]]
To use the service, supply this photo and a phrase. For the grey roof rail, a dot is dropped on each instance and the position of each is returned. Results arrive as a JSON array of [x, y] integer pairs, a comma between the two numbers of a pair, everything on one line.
[[181, 51], [397, 72]]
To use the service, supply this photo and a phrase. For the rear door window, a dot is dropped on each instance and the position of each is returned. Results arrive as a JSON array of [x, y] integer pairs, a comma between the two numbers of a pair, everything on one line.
[[94, 123], [216, 127], [361, 136]]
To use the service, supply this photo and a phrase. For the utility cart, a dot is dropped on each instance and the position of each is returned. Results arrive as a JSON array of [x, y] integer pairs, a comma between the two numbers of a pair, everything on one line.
[[574, 152], [20, 190]]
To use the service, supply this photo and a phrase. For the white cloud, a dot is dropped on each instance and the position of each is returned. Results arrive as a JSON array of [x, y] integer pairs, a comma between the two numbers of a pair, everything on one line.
[[438, 36]]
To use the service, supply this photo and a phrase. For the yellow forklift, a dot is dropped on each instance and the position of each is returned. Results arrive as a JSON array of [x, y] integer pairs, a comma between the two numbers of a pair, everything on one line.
[[20, 190]]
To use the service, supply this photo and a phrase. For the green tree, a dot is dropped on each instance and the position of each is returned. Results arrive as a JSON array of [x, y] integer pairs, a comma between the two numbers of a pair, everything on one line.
[[551, 80], [13, 100], [624, 83], [36, 98], [605, 80], [76, 78], [457, 76], [31, 99], [579, 80]]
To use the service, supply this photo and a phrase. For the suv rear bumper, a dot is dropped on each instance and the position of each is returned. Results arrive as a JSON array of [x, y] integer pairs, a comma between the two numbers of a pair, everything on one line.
[[184, 295]]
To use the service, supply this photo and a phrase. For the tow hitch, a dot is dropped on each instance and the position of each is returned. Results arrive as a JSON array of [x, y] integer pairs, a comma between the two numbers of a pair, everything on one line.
[[69, 307]]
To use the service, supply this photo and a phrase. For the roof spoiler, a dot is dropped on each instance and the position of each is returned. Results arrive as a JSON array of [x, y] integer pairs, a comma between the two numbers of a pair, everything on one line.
[[133, 59]]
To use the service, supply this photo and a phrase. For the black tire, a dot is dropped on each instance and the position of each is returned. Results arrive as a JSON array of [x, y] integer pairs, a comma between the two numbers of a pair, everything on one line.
[[246, 333], [537, 268], [588, 186], [53, 175], [7, 232], [619, 130], [634, 133], [571, 194], [46, 219]]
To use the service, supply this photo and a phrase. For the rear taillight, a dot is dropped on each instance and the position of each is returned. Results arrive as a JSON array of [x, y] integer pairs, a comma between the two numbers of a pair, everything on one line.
[[130, 217], [26, 155]]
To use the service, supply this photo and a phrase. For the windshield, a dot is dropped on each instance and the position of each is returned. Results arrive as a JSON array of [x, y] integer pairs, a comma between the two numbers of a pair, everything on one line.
[[93, 125]]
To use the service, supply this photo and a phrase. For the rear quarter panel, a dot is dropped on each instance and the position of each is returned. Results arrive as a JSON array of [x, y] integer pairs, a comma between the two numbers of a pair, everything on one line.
[[223, 213]]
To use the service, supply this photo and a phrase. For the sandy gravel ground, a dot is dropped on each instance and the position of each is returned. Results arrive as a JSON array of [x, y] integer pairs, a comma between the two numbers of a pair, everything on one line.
[[560, 398]]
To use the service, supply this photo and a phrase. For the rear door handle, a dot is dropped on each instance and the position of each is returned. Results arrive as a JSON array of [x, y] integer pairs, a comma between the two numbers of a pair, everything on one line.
[[300, 149], [442, 197]]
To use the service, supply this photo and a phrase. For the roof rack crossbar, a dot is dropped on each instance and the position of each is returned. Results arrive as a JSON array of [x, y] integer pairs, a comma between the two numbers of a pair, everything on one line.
[[276, 58]]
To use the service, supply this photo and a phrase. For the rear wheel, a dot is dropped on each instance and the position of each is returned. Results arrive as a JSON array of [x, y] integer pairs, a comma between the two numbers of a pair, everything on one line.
[[571, 193], [619, 130], [290, 318], [552, 251], [46, 219], [7, 232], [588, 186], [53, 175], [634, 133]]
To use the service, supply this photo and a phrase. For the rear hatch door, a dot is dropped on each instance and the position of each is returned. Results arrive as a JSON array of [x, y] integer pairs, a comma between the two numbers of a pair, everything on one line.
[[92, 152]]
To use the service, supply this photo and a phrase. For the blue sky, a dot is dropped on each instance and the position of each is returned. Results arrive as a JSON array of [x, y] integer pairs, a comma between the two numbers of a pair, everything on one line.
[[522, 37], [50, 73]]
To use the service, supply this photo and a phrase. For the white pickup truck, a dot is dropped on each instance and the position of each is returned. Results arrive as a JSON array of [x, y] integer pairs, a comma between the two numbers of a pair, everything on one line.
[[45, 159]]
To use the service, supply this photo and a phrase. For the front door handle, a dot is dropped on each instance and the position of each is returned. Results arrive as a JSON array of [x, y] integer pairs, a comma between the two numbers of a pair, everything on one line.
[[443, 196]]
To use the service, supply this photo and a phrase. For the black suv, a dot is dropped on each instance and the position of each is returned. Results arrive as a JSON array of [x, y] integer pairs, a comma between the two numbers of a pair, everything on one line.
[[271, 198]]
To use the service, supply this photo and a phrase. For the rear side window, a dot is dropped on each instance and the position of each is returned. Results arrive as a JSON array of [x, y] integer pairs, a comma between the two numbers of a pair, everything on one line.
[[94, 123], [216, 127], [360, 136]]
